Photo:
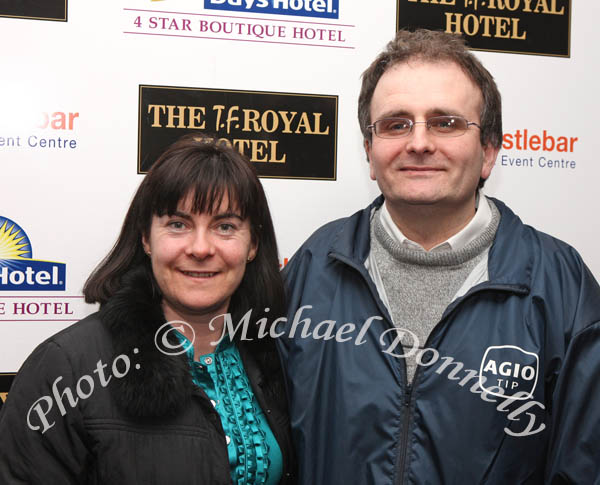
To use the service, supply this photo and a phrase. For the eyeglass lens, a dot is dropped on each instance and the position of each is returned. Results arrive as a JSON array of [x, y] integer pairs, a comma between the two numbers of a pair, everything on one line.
[[438, 125]]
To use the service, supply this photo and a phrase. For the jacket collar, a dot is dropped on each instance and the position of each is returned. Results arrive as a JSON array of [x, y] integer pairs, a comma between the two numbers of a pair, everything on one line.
[[163, 384], [512, 255], [353, 239], [513, 242]]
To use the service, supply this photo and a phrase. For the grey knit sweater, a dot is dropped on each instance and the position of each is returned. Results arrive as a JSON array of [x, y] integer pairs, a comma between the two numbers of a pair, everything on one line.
[[420, 285]]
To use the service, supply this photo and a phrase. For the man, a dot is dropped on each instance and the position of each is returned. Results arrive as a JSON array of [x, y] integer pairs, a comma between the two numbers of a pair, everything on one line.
[[432, 337]]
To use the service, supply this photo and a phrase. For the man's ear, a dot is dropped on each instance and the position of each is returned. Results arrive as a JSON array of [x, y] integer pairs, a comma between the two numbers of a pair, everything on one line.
[[490, 153], [367, 145]]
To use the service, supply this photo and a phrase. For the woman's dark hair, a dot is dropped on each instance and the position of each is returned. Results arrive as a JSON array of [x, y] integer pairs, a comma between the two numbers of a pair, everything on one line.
[[206, 171]]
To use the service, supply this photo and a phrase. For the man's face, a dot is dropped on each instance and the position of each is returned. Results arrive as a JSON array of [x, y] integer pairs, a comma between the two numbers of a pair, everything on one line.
[[422, 168]]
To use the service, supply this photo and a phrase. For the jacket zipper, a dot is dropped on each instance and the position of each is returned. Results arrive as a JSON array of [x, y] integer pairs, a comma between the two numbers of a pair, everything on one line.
[[405, 425], [408, 387]]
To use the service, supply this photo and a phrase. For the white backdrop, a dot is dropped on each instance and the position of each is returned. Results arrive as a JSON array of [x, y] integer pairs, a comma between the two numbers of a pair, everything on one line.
[[71, 201]]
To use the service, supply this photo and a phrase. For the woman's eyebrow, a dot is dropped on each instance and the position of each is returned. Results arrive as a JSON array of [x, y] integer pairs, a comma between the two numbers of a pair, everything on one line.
[[183, 215], [228, 215]]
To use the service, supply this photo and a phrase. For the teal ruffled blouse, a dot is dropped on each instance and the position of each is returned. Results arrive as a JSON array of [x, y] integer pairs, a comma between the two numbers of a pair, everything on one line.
[[254, 455]]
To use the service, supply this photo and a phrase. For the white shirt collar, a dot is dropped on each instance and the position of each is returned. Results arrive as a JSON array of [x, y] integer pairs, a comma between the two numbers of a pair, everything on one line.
[[474, 228]]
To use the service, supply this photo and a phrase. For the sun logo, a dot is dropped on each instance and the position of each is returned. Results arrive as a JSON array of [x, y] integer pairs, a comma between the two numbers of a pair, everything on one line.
[[14, 243], [18, 270]]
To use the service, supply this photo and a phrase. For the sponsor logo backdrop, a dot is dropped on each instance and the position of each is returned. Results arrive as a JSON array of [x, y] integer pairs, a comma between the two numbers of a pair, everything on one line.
[[521, 26], [6, 379], [34, 9], [72, 140]]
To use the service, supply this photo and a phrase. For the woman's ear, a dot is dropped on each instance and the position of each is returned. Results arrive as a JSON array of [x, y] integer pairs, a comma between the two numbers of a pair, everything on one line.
[[253, 251], [146, 245]]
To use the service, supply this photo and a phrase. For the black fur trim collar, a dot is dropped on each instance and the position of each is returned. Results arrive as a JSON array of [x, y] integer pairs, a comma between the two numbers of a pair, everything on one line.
[[163, 384]]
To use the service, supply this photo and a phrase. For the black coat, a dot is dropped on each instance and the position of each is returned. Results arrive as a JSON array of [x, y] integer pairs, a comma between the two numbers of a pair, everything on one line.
[[97, 403]]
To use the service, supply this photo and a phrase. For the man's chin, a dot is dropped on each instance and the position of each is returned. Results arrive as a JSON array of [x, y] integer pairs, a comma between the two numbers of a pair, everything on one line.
[[415, 200], [424, 201]]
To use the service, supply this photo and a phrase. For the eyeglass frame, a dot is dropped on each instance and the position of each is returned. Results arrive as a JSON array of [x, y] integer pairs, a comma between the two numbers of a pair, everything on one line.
[[372, 128]]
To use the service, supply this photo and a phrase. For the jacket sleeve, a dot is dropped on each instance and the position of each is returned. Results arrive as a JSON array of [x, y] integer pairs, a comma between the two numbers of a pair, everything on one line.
[[574, 448], [41, 433]]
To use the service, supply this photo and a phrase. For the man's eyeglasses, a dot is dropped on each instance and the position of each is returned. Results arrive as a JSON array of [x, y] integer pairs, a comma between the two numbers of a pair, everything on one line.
[[437, 125]]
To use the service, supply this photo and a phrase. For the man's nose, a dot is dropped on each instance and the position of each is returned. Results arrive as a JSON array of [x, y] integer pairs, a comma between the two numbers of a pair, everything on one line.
[[420, 139]]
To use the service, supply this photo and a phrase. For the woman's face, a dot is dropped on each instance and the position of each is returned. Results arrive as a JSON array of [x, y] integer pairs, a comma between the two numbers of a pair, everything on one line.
[[198, 260]]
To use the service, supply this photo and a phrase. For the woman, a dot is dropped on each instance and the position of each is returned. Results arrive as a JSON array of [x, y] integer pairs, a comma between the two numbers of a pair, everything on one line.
[[124, 396]]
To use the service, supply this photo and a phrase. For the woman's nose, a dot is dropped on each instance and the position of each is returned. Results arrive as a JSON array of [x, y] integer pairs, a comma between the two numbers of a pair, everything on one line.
[[201, 244]]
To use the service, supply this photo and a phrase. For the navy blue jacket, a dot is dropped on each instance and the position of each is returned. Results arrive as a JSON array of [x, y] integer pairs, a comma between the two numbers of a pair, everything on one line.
[[507, 389]]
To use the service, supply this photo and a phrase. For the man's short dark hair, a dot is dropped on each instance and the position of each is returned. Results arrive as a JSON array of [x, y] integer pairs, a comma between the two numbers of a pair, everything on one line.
[[432, 46]]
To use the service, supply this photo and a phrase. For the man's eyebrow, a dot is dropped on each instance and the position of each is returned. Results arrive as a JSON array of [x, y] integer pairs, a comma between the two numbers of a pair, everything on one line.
[[397, 113], [402, 113], [442, 112]]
